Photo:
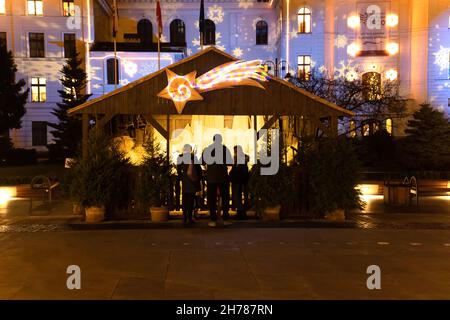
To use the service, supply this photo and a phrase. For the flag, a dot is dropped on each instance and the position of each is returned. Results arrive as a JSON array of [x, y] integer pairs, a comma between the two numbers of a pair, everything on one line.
[[159, 18], [115, 19], [201, 19]]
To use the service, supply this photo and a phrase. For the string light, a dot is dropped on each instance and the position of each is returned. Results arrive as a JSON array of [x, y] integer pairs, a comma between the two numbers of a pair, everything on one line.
[[392, 20], [392, 48], [391, 75], [353, 22], [353, 49], [182, 89]]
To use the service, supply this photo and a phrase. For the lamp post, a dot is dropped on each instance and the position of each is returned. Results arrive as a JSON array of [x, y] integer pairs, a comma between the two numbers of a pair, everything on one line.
[[277, 66]]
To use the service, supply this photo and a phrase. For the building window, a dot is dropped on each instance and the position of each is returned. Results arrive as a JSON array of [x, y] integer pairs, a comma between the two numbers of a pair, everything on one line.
[[388, 125], [145, 31], [2, 6], [68, 8], [35, 7], [178, 32], [371, 82], [36, 41], [112, 70], [262, 32], [209, 38], [304, 67], [69, 45], [304, 20], [39, 133], [3, 41], [38, 90]]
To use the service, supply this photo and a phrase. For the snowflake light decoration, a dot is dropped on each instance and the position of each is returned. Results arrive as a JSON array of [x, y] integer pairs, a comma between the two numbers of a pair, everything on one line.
[[215, 13], [441, 58], [130, 68], [237, 52], [341, 41]]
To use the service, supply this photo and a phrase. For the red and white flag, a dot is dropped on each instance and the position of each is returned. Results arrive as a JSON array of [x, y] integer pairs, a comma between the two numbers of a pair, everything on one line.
[[159, 18]]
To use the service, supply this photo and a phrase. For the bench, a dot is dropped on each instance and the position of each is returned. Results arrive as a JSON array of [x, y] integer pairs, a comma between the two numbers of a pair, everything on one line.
[[42, 185]]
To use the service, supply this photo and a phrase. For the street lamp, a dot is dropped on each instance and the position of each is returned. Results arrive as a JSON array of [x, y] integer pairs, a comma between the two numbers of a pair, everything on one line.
[[274, 67]]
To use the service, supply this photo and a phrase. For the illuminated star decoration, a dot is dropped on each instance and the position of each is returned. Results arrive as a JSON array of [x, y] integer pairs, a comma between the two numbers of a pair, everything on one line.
[[182, 89]]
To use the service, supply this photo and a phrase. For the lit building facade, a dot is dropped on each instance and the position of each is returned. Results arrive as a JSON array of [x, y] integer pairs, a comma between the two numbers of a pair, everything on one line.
[[407, 40]]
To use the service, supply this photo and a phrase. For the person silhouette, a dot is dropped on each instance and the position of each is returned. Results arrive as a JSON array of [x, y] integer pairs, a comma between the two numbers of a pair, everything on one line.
[[217, 157]]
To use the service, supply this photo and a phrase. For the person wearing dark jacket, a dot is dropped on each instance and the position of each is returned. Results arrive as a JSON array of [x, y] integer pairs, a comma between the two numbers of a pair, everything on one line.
[[239, 178], [217, 158], [190, 173]]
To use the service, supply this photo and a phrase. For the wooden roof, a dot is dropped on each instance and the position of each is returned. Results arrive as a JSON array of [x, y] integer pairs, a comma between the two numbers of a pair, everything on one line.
[[279, 98]]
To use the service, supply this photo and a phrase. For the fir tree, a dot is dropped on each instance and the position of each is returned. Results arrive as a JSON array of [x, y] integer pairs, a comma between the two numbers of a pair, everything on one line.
[[428, 139], [13, 98], [67, 133]]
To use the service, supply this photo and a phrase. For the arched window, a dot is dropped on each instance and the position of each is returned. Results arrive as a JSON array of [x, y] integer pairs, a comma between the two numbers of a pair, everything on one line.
[[145, 31], [112, 71], [262, 32], [209, 37], [177, 32], [371, 82], [304, 20]]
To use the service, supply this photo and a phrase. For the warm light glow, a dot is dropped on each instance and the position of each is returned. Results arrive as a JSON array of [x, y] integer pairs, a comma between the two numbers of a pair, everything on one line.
[[6, 194], [353, 49], [392, 75], [389, 126], [182, 89], [35, 7], [392, 20], [353, 22], [368, 189], [2, 7], [392, 48]]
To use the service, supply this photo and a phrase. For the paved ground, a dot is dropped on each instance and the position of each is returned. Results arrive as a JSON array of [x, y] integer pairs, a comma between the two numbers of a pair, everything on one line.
[[226, 264]]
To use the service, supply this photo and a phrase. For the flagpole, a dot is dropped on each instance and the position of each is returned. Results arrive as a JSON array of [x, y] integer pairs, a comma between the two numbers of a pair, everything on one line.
[[201, 21], [159, 51], [159, 18], [116, 64]]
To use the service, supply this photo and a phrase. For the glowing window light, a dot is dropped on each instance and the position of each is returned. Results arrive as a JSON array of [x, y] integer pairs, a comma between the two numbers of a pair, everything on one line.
[[353, 22], [389, 126], [392, 20], [2, 7], [391, 75], [368, 189], [353, 49], [35, 7], [38, 90], [392, 48]]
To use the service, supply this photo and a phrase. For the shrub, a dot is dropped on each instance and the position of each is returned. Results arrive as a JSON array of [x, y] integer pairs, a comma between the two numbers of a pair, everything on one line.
[[101, 178], [331, 168]]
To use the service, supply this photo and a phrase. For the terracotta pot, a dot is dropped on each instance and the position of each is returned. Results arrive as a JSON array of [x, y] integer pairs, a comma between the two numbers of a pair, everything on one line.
[[272, 213], [159, 214], [95, 214], [337, 215]]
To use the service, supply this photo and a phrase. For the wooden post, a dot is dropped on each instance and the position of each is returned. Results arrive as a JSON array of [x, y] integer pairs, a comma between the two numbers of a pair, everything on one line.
[[85, 133], [334, 126], [168, 138], [255, 127]]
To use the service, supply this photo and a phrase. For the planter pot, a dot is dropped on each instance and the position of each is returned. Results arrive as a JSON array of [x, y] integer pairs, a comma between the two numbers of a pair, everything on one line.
[[337, 215], [77, 209], [272, 213], [95, 214], [159, 214]]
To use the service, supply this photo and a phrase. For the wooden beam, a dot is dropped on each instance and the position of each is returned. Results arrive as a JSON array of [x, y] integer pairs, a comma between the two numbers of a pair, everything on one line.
[[157, 126], [85, 135], [103, 121], [267, 125], [334, 126]]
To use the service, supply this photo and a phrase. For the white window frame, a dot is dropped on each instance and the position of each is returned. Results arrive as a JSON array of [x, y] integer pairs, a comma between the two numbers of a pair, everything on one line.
[[304, 66], [35, 8], [39, 86], [28, 44]]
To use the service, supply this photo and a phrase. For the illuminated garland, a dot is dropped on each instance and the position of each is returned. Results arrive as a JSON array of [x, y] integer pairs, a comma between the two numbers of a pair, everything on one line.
[[182, 89]]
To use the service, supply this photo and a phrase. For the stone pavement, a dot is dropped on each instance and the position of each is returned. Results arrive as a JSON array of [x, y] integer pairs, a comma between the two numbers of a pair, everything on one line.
[[226, 264]]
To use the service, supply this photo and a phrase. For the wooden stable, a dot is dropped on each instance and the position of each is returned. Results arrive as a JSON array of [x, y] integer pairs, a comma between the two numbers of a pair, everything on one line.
[[279, 99]]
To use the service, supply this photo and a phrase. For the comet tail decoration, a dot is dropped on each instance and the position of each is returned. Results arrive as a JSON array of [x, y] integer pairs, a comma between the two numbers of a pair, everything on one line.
[[182, 89]]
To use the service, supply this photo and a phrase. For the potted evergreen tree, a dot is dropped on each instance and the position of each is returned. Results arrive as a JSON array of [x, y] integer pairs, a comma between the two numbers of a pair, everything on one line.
[[156, 181], [269, 192], [97, 180]]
